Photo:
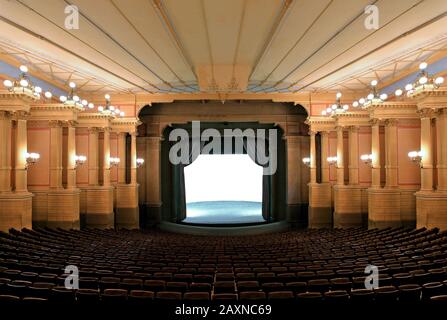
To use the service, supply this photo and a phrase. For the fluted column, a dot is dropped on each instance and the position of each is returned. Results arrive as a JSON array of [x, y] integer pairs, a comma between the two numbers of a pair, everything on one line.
[[122, 156], [340, 160], [5, 151], [441, 135], [324, 155], [56, 155], [313, 158], [391, 153], [20, 153], [353, 155], [375, 151], [427, 150], [133, 158], [93, 156], [71, 154], [106, 158]]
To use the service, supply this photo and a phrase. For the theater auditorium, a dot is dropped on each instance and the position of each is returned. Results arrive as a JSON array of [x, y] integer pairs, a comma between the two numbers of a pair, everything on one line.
[[249, 154]]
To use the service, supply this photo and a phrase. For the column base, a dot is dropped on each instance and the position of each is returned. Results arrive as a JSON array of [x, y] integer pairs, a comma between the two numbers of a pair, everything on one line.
[[127, 211], [63, 208], [97, 207], [15, 211], [297, 215], [349, 206], [431, 208], [320, 205], [150, 214], [390, 208]]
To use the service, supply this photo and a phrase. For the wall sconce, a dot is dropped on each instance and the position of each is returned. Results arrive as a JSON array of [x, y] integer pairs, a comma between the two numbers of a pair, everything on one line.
[[140, 162], [332, 160], [114, 161], [306, 161], [31, 158], [80, 160], [366, 158], [416, 156]]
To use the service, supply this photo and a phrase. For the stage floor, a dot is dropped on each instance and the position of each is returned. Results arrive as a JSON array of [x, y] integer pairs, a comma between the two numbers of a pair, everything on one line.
[[224, 212]]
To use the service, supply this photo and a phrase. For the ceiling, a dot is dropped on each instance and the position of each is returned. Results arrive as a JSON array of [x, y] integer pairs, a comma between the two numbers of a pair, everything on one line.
[[189, 46]]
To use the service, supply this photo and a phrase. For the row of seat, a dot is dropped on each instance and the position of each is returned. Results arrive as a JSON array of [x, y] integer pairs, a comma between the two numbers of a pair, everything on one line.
[[304, 262]]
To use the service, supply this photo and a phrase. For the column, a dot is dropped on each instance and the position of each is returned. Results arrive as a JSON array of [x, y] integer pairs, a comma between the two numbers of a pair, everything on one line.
[[71, 154], [133, 158], [56, 155], [427, 151], [106, 158], [441, 137], [20, 153], [153, 188], [353, 155], [122, 156], [93, 156], [324, 155], [375, 151], [5, 151], [340, 161], [313, 158], [391, 153]]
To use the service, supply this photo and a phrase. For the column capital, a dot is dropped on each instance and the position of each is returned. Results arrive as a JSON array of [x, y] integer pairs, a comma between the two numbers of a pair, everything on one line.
[[93, 129], [375, 122], [312, 132], [340, 128], [55, 123], [427, 113], [72, 123], [391, 122], [353, 128], [5, 114]]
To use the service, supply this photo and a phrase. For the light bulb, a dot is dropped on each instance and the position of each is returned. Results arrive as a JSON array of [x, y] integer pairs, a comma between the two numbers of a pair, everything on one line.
[[370, 96], [122, 114], [362, 100], [374, 83], [111, 108], [63, 98], [423, 80], [423, 66], [48, 94], [323, 113], [100, 108], [408, 87], [84, 102], [383, 96], [328, 110], [38, 89], [117, 111], [439, 80], [8, 83], [91, 105], [338, 95], [76, 98], [72, 85], [24, 83], [345, 107], [23, 68], [398, 92], [107, 96], [355, 104], [334, 106]]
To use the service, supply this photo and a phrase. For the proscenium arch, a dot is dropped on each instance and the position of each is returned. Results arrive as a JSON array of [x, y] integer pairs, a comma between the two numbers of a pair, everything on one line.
[[288, 117]]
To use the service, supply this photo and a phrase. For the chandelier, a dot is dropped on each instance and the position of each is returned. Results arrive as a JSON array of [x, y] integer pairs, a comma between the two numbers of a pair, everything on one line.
[[110, 109], [73, 100], [373, 98], [336, 108], [24, 85], [424, 82]]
